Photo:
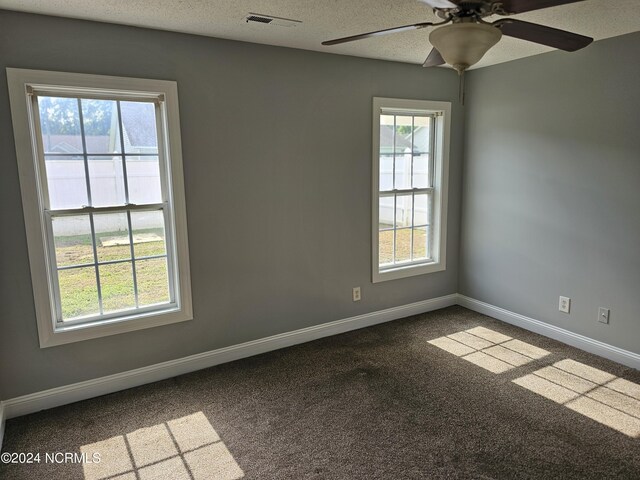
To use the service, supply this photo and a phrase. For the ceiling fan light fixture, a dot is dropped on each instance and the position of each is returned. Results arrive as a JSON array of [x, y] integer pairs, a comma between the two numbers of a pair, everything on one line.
[[464, 44]]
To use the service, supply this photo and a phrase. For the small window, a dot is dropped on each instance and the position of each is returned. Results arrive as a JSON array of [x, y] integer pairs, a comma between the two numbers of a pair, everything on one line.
[[410, 162], [101, 179]]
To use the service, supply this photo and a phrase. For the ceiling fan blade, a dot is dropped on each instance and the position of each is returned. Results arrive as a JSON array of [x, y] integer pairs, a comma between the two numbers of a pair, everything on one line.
[[441, 3], [549, 36], [520, 6], [386, 31], [434, 59]]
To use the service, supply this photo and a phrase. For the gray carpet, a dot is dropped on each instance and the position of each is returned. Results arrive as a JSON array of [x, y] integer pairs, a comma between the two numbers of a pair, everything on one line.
[[377, 403]]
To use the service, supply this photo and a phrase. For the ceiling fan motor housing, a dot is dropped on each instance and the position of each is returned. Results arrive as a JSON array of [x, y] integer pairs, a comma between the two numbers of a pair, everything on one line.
[[464, 44]]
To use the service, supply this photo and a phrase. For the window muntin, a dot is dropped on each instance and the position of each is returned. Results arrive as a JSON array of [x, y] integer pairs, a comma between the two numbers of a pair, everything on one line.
[[105, 205], [410, 169]]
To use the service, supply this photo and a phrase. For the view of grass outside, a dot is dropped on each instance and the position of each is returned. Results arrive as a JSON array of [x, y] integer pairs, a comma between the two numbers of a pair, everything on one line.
[[403, 244], [78, 286]]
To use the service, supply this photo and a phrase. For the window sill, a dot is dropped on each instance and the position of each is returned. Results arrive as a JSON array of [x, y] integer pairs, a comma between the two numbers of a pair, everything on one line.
[[61, 335], [407, 271]]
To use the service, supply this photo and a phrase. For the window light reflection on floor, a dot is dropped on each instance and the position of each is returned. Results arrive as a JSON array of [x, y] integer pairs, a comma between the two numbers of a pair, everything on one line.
[[598, 395], [489, 349], [185, 448]]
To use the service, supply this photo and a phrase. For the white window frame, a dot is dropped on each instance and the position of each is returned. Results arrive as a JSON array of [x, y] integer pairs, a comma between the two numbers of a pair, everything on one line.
[[441, 112], [21, 83]]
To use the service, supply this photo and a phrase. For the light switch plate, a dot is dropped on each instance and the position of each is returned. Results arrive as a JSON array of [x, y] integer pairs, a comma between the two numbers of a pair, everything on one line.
[[603, 315]]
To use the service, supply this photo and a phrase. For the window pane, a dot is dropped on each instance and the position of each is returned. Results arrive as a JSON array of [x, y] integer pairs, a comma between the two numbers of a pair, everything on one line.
[[153, 281], [421, 135], [139, 123], [385, 248], [421, 177], [403, 152], [422, 209], [421, 151], [385, 213], [143, 175], [403, 171], [403, 244], [78, 292], [60, 125], [101, 128], [403, 134], [420, 239], [112, 236], [404, 210], [107, 181], [386, 135], [72, 238], [116, 284], [148, 233], [66, 181], [386, 172]]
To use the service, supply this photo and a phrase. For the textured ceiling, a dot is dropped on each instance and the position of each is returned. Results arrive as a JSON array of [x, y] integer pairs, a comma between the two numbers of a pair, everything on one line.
[[327, 19]]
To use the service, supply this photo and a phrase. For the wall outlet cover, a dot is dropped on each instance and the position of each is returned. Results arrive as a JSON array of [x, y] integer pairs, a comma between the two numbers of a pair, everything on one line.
[[564, 304], [356, 294]]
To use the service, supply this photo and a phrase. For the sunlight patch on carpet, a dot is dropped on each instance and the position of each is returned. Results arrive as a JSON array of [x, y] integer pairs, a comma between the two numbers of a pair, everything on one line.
[[185, 448], [489, 349], [596, 394]]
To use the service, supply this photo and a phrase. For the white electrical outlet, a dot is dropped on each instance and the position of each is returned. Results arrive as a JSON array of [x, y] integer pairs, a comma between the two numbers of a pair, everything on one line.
[[356, 294], [565, 304], [603, 315]]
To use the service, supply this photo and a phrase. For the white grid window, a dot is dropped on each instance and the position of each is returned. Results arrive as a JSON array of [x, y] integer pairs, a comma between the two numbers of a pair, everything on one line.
[[103, 179], [409, 180], [406, 188]]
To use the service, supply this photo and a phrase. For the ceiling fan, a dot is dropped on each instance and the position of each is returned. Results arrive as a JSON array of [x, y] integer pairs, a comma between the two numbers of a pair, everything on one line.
[[468, 36]]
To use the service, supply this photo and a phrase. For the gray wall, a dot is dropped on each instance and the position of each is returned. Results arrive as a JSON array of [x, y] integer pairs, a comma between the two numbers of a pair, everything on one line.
[[283, 137], [551, 196]]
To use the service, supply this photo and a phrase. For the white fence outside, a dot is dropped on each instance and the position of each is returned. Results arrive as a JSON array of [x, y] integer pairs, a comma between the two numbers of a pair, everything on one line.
[[68, 189], [403, 177]]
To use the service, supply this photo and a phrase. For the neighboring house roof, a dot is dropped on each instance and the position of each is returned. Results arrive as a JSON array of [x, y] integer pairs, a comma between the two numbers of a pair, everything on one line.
[[420, 140], [135, 117], [72, 144], [139, 133], [386, 140]]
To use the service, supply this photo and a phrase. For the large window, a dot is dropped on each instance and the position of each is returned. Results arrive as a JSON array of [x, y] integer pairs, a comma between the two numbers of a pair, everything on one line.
[[410, 151], [100, 173]]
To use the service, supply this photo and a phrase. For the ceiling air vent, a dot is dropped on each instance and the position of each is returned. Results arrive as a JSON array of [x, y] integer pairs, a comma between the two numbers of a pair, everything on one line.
[[258, 18], [270, 20]]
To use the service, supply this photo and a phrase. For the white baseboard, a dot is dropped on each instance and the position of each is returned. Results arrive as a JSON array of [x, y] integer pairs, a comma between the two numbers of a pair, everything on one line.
[[605, 350], [54, 397]]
